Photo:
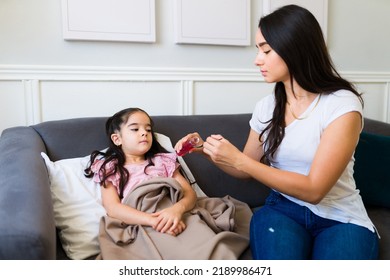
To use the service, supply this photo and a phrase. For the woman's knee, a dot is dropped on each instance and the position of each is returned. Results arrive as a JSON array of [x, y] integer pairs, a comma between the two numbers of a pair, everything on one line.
[[276, 236], [346, 241]]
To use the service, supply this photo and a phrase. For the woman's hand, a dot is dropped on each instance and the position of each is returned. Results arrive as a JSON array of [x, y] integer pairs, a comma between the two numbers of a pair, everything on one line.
[[221, 151], [179, 144]]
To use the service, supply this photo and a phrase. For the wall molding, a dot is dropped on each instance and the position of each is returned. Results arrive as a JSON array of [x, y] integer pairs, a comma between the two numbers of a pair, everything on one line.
[[96, 73], [40, 92]]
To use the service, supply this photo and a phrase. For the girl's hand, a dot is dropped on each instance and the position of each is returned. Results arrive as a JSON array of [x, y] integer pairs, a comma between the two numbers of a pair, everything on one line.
[[169, 221], [180, 143], [179, 229], [154, 222]]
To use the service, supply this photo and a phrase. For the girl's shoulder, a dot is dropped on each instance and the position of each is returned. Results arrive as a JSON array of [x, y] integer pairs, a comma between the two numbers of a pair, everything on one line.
[[167, 161], [165, 157], [97, 164]]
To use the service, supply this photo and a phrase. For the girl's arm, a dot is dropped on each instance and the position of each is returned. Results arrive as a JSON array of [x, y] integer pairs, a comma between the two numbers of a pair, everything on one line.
[[338, 143], [127, 214], [170, 219]]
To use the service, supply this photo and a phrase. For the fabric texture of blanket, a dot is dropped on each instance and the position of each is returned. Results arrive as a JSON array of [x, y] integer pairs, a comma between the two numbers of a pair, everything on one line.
[[217, 228]]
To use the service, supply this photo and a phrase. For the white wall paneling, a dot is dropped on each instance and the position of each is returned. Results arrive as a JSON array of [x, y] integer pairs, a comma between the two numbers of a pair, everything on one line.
[[32, 101], [32, 94], [376, 98], [107, 20], [319, 8], [187, 89], [375, 87], [13, 104], [64, 99], [216, 22], [234, 97]]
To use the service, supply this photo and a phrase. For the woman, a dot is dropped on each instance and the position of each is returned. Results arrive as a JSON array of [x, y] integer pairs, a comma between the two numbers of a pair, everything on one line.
[[301, 145]]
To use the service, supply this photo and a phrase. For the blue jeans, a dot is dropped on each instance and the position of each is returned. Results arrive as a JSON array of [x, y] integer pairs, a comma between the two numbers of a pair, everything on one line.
[[284, 230]]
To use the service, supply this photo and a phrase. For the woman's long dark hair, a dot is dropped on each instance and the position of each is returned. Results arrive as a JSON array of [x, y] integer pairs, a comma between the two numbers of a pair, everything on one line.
[[115, 154], [296, 36]]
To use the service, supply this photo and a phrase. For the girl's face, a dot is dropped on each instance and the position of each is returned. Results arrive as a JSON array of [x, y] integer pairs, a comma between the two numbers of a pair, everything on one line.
[[272, 66], [135, 135]]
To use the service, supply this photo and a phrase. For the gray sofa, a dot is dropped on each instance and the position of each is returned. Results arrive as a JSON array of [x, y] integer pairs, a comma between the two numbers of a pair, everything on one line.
[[27, 226]]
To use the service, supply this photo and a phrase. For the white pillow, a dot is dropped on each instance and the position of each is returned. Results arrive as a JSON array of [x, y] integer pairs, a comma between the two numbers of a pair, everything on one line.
[[77, 206], [77, 202]]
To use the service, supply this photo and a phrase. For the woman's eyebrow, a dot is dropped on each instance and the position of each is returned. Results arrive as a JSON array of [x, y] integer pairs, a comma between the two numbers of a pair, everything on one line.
[[261, 44]]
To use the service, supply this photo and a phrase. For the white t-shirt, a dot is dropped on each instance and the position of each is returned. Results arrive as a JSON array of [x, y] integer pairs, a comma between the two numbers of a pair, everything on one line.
[[296, 153]]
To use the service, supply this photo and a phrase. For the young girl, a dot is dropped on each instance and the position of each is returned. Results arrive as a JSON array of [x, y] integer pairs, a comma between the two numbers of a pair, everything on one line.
[[134, 156]]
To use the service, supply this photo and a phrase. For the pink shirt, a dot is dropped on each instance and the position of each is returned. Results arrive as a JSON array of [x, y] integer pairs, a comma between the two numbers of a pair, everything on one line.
[[165, 165]]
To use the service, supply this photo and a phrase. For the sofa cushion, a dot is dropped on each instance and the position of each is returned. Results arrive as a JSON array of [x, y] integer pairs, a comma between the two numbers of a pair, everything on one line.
[[371, 171], [380, 218]]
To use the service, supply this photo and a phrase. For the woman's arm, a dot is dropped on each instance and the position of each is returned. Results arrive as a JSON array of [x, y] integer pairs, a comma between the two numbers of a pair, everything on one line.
[[338, 143], [253, 149]]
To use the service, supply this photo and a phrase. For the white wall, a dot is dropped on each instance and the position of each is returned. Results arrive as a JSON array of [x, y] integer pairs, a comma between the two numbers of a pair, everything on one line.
[[359, 34], [43, 77], [31, 33]]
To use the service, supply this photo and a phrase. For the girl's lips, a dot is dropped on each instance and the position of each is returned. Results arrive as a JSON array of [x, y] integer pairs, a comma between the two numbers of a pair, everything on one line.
[[263, 72]]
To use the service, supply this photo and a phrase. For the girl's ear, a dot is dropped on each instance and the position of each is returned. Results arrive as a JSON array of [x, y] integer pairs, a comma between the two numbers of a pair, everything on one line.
[[116, 139]]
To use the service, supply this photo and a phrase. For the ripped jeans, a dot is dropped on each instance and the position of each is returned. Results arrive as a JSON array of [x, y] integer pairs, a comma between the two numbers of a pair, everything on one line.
[[284, 230]]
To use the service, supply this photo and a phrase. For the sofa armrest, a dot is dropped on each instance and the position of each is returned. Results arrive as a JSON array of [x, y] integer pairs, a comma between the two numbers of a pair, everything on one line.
[[27, 228]]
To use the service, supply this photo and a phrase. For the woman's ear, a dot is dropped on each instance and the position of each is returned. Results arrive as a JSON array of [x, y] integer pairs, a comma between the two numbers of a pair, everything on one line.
[[116, 139]]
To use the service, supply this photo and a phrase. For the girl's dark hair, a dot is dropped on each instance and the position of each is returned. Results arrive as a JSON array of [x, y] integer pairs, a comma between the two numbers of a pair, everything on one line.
[[296, 36], [115, 154]]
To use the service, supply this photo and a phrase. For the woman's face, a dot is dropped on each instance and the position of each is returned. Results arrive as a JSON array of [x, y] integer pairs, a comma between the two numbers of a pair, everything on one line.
[[272, 66]]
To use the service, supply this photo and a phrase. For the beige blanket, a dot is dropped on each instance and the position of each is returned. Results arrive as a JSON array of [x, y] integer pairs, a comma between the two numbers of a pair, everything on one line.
[[217, 228]]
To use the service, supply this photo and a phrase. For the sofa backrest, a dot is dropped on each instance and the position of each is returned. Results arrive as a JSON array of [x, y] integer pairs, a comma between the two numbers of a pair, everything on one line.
[[72, 137], [376, 127], [79, 137], [213, 181]]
